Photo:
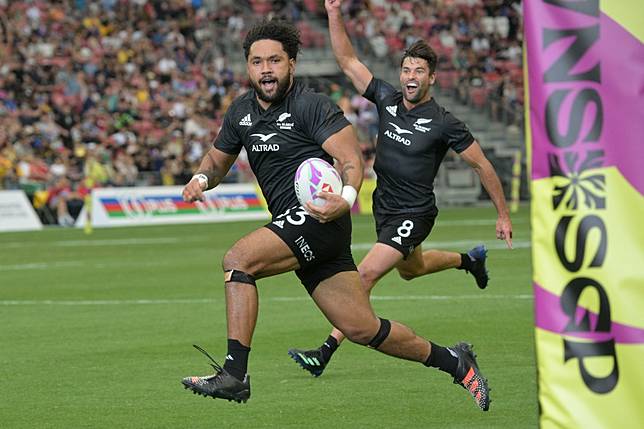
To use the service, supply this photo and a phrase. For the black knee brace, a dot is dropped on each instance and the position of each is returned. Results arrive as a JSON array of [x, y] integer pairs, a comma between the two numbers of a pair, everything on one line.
[[239, 277], [383, 333]]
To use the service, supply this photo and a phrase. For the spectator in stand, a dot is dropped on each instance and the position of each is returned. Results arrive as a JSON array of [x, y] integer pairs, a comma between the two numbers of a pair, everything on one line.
[[122, 76]]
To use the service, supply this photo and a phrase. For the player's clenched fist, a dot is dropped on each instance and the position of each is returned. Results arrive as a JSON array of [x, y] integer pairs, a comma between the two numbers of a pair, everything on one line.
[[193, 191], [332, 5]]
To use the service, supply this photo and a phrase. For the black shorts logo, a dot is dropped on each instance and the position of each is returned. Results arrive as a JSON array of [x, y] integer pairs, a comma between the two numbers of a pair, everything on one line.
[[305, 248]]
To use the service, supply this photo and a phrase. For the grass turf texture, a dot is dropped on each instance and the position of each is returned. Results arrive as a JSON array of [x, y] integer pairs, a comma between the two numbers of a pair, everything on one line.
[[97, 332]]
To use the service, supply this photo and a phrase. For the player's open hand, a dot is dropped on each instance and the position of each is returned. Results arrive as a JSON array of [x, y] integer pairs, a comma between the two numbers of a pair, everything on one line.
[[193, 191], [334, 207], [504, 230], [332, 5]]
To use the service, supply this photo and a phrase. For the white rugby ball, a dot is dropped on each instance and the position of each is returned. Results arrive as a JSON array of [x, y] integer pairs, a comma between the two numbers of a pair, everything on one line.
[[313, 176]]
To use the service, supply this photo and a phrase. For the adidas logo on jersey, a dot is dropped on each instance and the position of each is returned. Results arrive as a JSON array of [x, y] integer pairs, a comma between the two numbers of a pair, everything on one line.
[[397, 240], [418, 125], [246, 121], [279, 223], [392, 110]]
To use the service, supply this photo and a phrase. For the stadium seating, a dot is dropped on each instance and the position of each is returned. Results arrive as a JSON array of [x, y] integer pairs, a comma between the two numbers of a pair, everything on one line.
[[131, 93]]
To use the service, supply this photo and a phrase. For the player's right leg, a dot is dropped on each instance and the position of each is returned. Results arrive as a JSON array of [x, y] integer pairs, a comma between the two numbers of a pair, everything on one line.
[[259, 254], [379, 261], [346, 305]]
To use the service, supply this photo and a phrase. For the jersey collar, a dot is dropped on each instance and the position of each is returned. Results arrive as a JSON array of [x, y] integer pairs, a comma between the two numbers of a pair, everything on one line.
[[428, 103]]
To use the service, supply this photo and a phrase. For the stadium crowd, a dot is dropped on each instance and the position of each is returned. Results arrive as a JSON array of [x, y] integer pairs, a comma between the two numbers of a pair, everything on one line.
[[132, 92]]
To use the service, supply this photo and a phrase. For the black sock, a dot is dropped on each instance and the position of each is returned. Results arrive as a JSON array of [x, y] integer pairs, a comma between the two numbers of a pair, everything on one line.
[[466, 262], [329, 346], [237, 359], [443, 359]]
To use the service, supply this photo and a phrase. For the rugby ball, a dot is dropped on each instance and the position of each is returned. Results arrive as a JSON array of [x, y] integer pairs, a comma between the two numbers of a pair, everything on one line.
[[313, 176]]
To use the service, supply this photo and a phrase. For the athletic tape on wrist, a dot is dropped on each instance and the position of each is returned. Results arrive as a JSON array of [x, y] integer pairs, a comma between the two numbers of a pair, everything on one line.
[[349, 194]]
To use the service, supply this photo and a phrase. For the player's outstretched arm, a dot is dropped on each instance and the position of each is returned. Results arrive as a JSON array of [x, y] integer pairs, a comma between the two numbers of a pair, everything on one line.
[[474, 156], [346, 57], [343, 146], [213, 168]]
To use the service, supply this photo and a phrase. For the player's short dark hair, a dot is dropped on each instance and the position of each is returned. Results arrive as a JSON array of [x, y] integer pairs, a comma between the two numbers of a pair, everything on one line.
[[279, 30], [420, 49]]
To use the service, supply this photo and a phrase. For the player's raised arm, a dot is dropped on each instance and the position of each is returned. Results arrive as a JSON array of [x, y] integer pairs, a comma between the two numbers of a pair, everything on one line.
[[343, 50], [213, 168], [474, 156]]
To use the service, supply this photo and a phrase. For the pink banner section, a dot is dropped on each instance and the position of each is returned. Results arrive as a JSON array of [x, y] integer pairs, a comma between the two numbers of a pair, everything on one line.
[[601, 108], [550, 316]]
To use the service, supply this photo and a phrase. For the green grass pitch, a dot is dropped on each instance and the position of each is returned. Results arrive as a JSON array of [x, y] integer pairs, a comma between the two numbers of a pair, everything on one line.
[[96, 331]]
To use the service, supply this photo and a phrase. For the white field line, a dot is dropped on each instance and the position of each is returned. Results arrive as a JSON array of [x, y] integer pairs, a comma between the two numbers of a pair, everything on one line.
[[191, 301], [455, 245], [105, 242], [174, 240]]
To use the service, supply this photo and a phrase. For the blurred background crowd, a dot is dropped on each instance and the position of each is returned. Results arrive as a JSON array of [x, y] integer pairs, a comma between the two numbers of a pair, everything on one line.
[[132, 92]]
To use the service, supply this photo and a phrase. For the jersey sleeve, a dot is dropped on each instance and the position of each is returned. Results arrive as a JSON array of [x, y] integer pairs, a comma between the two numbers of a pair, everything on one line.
[[321, 117], [378, 90], [228, 138], [456, 134]]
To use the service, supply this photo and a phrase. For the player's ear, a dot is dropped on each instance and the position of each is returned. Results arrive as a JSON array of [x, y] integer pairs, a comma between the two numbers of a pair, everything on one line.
[[291, 64], [432, 78]]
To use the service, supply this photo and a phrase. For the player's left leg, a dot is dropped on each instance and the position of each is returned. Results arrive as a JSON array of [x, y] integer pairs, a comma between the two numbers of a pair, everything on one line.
[[379, 261], [420, 263], [259, 254], [346, 305]]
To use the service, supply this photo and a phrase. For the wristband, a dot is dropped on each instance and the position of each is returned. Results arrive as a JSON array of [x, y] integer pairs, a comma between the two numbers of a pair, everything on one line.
[[349, 194], [203, 180]]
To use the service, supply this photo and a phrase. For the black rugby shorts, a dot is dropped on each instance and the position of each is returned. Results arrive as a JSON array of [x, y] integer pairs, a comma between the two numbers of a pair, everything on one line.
[[404, 232], [322, 249]]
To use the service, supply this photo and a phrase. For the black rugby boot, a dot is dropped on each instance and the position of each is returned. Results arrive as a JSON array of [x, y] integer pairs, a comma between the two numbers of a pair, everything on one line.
[[220, 384], [469, 376], [310, 360], [478, 255]]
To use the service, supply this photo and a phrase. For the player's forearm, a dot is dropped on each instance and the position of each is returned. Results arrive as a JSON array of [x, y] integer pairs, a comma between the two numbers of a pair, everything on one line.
[[493, 186], [351, 171], [342, 48], [211, 168]]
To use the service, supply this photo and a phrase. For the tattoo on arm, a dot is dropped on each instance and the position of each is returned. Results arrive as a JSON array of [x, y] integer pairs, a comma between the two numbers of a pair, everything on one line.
[[346, 169], [210, 169]]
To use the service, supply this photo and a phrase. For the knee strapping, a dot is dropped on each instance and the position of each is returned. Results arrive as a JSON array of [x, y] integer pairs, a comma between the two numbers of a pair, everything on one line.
[[383, 333], [239, 277]]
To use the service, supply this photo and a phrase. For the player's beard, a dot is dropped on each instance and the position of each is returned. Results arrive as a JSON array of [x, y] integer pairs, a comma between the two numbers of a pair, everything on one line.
[[279, 93]]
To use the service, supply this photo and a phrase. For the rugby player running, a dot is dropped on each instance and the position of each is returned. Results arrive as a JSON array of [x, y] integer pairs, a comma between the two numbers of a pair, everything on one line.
[[415, 132], [281, 123]]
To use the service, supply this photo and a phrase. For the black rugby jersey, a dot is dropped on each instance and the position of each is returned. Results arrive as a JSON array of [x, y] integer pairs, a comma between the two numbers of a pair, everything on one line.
[[278, 139], [411, 146]]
